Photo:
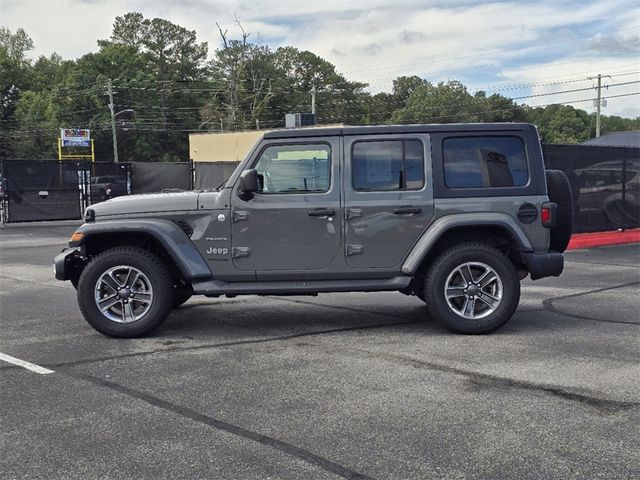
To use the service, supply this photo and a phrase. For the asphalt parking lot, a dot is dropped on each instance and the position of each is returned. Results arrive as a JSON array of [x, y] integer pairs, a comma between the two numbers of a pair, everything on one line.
[[335, 386]]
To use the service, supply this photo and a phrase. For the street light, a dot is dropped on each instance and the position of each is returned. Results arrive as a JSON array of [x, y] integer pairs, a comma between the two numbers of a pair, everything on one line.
[[113, 131]]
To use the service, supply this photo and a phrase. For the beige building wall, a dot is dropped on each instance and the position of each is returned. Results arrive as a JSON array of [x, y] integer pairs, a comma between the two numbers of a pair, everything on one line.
[[227, 146], [222, 147]]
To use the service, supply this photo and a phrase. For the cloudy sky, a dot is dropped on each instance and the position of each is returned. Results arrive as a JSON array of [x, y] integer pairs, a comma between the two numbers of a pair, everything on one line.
[[520, 49]]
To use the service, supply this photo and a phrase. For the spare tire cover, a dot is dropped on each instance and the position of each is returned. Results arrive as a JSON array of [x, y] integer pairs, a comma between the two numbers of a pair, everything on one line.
[[559, 191]]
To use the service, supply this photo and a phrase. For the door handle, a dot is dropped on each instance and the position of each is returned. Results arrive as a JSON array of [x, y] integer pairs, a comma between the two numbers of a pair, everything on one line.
[[321, 212], [405, 210]]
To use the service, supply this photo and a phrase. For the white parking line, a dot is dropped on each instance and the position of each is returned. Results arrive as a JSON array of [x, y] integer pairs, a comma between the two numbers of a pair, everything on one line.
[[21, 363]]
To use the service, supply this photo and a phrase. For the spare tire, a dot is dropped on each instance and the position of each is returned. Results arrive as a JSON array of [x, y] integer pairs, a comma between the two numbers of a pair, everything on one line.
[[559, 191]]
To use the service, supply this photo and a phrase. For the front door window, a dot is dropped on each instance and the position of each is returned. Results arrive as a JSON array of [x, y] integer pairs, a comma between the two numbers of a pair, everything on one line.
[[295, 168]]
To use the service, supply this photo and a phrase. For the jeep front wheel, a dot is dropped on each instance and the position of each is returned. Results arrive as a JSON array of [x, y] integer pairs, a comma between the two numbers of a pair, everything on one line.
[[472, 288], [125, 292]]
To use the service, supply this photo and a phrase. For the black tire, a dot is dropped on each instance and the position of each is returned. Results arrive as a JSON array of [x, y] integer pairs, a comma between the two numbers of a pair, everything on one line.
[[181, 297], [444, 268], [155, 276], [559, 190]]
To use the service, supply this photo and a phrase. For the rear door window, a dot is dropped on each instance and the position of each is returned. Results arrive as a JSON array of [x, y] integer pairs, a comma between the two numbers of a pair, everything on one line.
[[484, 162], [387, 165]]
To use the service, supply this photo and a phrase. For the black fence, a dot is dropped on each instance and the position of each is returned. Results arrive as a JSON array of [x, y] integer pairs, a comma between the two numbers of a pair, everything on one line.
[[605, 183], [156, 177], [208, 175], [36, 190]]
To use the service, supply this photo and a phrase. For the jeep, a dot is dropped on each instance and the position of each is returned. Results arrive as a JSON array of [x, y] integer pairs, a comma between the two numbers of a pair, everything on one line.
[[455, 214]]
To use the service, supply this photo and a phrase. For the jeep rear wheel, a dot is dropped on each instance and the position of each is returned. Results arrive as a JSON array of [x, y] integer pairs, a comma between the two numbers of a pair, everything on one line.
[[472, 288], [125, 292]]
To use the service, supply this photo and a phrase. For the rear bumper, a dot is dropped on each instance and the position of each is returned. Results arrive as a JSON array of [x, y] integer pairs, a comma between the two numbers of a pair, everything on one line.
[[548, 264], [66, 263]]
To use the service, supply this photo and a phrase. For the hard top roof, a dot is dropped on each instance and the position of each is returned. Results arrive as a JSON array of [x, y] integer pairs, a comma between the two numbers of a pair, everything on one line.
[[394, 129]]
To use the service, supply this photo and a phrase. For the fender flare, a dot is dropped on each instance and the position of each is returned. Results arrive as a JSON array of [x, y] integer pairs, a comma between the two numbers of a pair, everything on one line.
[[446, 223], [172, 238]]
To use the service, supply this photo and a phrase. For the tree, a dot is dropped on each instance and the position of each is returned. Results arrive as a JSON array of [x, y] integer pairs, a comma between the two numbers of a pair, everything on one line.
[[497, 108], [161, 62], [240, 75], [160, 71], [560, 123], [14, 78], [35, 122], [173, 50], [614, 123], [379, 107], [444, 103], [403, 88], [299, 72], [129, 30]]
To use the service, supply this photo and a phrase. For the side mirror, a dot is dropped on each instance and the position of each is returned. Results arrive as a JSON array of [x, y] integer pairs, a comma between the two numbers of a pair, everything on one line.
[[248, 184]]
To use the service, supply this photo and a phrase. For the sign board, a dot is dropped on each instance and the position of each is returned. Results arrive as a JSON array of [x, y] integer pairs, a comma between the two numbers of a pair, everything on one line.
[[75, 137]]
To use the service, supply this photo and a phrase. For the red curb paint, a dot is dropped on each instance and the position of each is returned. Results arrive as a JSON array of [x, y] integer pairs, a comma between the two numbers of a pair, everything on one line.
[[599, 239]]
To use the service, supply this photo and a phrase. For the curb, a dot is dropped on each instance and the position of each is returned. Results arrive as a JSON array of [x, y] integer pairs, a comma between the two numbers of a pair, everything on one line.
[[600, 239]]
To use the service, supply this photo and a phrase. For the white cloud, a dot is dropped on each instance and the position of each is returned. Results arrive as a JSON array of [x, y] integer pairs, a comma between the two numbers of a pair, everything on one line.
[[68, 27], [617, 104]]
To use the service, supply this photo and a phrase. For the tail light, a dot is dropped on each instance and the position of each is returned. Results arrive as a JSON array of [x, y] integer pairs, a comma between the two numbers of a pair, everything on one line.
[[548, 214]]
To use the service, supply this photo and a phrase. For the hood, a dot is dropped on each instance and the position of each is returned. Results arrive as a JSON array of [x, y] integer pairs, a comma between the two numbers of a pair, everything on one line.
[[147, 203]]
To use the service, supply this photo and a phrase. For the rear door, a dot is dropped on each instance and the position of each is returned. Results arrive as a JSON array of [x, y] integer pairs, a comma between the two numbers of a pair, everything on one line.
[[388, 197]]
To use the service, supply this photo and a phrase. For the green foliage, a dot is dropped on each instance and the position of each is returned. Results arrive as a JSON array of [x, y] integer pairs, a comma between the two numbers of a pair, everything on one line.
[[34, 109], [613, 123], [255, 83], [14, 78], [160, 71], [172, 50], [299, 72], [560, 124]]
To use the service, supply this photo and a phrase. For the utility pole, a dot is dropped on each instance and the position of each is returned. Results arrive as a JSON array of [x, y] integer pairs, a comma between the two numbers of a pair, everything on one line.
[[313, 98], [113, 122], [598, 101], [599, 105]]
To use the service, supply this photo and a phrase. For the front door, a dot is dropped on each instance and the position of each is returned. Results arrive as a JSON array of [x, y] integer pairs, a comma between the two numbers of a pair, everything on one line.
[[388, 197], [293, 223]]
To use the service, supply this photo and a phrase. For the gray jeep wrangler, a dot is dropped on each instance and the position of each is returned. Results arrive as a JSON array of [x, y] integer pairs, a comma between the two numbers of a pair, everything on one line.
[[455, 214]]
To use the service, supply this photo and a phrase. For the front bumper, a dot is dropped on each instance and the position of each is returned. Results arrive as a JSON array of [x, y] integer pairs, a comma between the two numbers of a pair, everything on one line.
[[66, 263], [547, 264]]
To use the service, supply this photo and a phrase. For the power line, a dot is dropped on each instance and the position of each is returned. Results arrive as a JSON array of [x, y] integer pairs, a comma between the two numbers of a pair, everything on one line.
[[158, 128]]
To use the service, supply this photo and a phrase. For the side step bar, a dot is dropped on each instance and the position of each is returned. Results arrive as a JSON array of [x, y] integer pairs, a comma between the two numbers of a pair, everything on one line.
[[218, 287]]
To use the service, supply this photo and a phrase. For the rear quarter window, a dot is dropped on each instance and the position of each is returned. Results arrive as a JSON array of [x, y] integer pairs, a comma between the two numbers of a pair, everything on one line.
[[484, 162]]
